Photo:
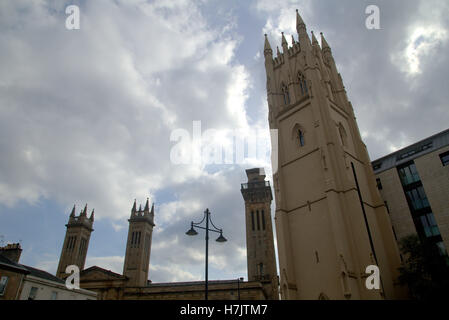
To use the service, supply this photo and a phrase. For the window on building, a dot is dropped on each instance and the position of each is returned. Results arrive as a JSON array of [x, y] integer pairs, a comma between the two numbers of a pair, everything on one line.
[[261, 269], [408, 174], [33, 293], [302, 83], [429, 225], [286, 94], [252, 219], [3, 284], [263, 220], [54, 295], [379, 184], [258, 221], [343, 135], [445, 158], [441, 248], [417, 198], [301, 138]]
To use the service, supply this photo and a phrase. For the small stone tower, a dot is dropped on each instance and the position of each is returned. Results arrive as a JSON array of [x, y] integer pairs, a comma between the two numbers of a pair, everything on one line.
[[259, 232], [138, 247], [76, 242]]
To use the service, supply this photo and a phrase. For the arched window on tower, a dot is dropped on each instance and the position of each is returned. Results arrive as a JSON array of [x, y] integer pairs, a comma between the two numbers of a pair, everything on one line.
[[285, 94], [298, 135], [343, 135], [302, 84]]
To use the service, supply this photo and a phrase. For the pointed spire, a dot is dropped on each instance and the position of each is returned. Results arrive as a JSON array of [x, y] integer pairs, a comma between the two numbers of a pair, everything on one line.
[[293, 40], [284, 41], [299, 22], [84, 212], [92, 215], [324, 44], [152, 209], [266, 46], [277, 51], [314, 40], [140, 209], [133, 210], [147, 207], [72, 214]]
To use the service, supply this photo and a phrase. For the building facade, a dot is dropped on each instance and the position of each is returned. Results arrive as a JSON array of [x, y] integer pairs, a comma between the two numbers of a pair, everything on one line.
[[21, 282], [331, 222], [261, 260], [414, 183], [133, 284]]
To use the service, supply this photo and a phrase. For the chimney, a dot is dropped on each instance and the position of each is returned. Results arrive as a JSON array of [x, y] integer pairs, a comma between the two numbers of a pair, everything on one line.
[[11, 251]]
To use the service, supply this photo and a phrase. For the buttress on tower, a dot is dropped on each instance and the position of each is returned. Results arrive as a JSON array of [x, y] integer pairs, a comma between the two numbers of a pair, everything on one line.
[[324, 244], [76, 242], [259, 232], [138, 245]]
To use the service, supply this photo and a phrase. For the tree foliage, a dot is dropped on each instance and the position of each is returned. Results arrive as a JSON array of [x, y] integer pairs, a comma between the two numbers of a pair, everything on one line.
[[424, 270]]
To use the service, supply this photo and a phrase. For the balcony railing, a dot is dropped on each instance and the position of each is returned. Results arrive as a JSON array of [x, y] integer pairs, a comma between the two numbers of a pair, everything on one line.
[[257, 184]]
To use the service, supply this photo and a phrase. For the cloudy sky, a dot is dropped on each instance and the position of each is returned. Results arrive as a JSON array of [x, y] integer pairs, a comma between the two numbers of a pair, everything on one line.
[[94, 115]]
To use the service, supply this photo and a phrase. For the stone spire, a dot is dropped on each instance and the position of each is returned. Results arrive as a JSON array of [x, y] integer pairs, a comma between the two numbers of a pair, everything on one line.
[[324, 44], [84, 212], [92, 215], [267, 48], [147, 207], [133, 210], [72, 215]]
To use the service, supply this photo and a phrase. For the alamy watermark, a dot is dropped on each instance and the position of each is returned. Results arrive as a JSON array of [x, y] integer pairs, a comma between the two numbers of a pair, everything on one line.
[[373, 19], [73, 280], [218, 146], [373, 280], [72, 22]]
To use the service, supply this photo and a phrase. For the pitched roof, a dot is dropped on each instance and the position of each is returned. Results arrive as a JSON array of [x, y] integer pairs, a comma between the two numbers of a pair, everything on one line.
[[43, 274], [108, 272], [5, 262]]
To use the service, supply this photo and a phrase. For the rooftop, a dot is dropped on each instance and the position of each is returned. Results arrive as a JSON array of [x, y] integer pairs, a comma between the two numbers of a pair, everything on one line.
[[413, 151]]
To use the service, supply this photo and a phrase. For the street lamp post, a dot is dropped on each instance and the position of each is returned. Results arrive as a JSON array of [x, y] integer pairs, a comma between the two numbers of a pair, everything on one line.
[[238, 286], [192, 232]]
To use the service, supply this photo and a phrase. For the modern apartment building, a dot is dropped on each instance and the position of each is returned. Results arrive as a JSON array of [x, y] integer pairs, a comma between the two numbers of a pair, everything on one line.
[[414, 183]]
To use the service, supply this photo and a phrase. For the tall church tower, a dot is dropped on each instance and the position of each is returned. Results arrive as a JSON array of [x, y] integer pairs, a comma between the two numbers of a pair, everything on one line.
[[326, 233], [259, 232], [76, 242], [138, 247]]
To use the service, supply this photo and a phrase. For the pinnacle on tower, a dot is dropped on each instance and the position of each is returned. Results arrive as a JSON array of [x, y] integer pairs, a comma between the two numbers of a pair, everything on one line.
[[278, 52], [152, 209], [92, 215], [293, 40], [140, 209], [72, 215], [314, 40], [299, 22], [147, 207], [84, 212], [324, 44], [267, 48], [133, 210]]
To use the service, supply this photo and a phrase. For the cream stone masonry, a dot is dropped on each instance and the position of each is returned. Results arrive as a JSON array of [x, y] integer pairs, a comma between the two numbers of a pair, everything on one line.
[[138, 247], [76, 242], [323, 241], [260, 254]]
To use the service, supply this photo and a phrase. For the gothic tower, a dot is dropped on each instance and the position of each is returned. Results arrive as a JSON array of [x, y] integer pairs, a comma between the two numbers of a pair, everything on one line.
[[326, 233], [138, 247], [259, 232], [76, 242]]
